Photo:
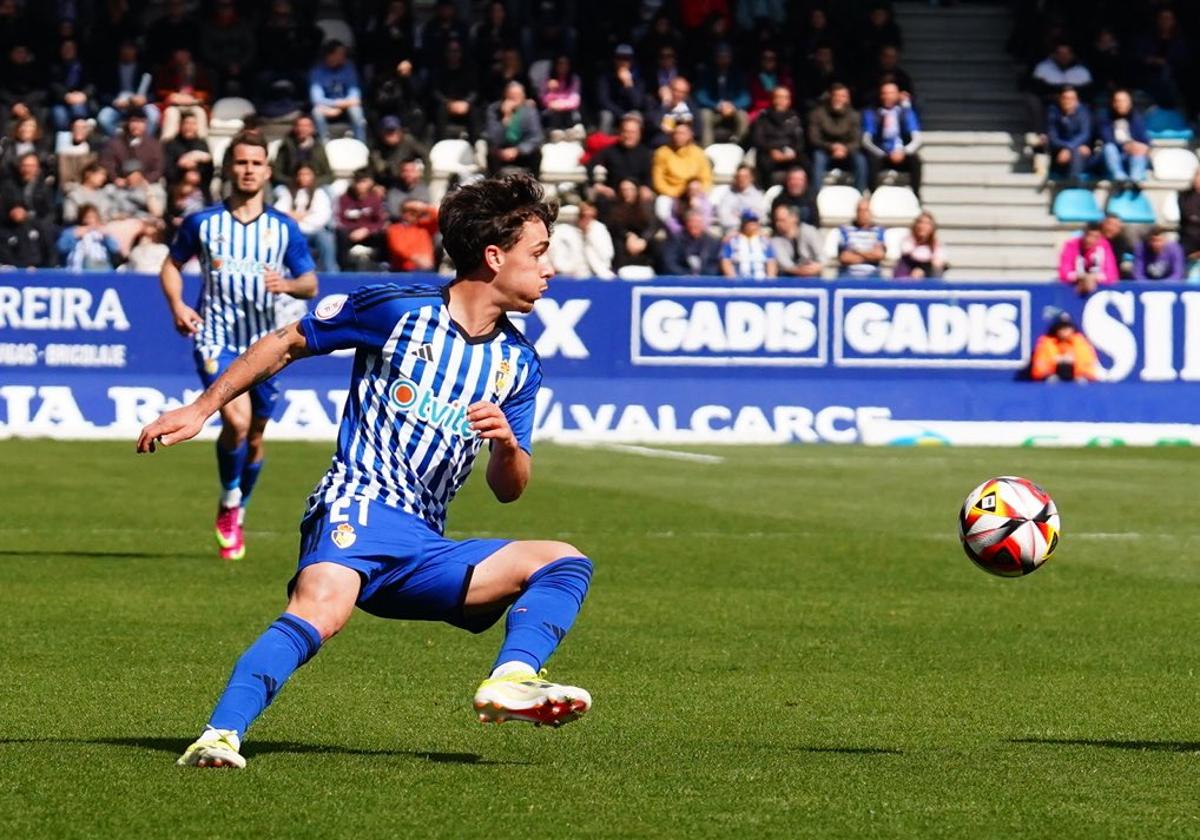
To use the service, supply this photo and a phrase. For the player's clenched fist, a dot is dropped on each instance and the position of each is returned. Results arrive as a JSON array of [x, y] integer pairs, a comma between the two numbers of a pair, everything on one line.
[[187, 320], [489, 422], [273, 282], [173, 427]]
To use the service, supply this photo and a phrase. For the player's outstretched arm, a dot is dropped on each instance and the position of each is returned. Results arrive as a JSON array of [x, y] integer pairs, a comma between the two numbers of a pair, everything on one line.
[[509, 466], [265, 358]]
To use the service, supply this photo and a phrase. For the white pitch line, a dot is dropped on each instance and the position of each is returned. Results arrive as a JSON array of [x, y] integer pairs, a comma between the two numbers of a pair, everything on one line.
[[653, 452]]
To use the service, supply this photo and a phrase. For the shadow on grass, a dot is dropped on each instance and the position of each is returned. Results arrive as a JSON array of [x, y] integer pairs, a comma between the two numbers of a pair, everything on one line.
[[1147, 746], [175, 746], [851, 750]]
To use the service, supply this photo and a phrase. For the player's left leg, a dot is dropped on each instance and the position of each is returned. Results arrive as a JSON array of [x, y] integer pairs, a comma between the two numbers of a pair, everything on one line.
[[546, 582], [254, 459], [231, 462]]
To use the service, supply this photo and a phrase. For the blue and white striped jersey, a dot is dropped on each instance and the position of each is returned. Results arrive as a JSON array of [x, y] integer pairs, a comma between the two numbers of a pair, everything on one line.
[[235, 306], [404, 438]]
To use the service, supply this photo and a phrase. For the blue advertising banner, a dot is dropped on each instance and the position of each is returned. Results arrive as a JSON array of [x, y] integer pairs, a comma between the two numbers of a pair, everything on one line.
[[95, 356]]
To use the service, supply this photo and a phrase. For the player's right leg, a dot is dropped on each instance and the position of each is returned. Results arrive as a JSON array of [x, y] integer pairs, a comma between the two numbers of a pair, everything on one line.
[[319, 606], [231, 464]]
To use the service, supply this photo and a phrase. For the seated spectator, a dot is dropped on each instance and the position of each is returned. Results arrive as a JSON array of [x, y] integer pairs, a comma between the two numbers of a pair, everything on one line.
[[186, 151], [1158, 258], [1165, 61], [395, 148], [23, 90], [892, 136], [861, 248], [663, 70], [1087, 261], [335, 93], [1063, 354], [770, 75], [75, 150], [72, 94], [134, 143], [694, 199], [455, 96], [692, 251], [148, 251], [410, 239], [628, 159], [176, 28], [408, 188], [135, 196], [1059, 70], [723, 99], [493, 34], [32, 188], [1123, 246], [514, 132], [796, 195], [584, 249], [675, 105], [22, 242], [632, 225], [301, 145], [127, 91], [820, 72], [228, 45], [86, 247], [92, 191], [24, 139], [797, 246], [835, 138], [1069, 135], [399, 91], [888, 69], [1126, 141], [748, 253], [741, 197], [1189, 225], [678, 162], [439, 32], [547, 32], [778, 138], [286, 44], [361, 221], [511, 68], [185, 198], [921, 254], [306, 202], [1110, 65], [560, 96], [183, 88], [620, 90]]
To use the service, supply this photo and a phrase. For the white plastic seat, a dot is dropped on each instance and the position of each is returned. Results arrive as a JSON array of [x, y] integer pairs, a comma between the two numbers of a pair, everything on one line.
[[560, 162], [1174, 164], [663, 205], [334, 29], [346, 154], [229, 114], [837, 203], [830, 250], [273, 148], [338, 188], [1170, 210], [771, 194], [568, 214], [217, 146], [636, 272], [716, 195], [894, 205], [452, 157], [725, 159], [893, 237]]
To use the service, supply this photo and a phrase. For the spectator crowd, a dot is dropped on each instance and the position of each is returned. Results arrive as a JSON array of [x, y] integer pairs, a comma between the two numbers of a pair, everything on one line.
[[109, 110]]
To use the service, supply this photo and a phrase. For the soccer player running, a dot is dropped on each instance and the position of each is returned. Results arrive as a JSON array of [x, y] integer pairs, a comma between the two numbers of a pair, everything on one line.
[[242, 244], [437, 373]]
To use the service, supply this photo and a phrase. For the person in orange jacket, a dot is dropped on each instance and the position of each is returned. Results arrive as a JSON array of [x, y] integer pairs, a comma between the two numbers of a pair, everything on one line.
[[1063, 353]]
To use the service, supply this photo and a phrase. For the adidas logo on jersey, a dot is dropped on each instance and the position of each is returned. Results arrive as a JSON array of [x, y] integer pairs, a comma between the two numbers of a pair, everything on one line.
[[425, 352], [408, 396]]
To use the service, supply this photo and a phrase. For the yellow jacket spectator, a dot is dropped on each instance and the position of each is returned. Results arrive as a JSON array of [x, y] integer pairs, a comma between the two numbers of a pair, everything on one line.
[[678, 162]]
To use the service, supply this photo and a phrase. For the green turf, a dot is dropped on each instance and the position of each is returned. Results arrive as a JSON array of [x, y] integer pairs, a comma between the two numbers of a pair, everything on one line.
[[788, 644]]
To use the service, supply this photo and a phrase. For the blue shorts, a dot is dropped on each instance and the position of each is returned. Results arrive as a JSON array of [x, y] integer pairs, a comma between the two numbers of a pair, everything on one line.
[[408, 570], [263, 396]]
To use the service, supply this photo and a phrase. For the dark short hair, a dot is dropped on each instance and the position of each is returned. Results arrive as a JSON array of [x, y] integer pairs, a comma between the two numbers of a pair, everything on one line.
[[490, 212], [249, 138], [1092, 226]]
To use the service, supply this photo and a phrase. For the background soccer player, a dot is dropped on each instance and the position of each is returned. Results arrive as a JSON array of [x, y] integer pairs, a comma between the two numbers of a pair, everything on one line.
[[242, 244], [437, 372]]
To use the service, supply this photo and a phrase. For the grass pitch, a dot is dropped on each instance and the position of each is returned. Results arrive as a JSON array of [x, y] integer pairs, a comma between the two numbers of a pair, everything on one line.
[[789, 643]]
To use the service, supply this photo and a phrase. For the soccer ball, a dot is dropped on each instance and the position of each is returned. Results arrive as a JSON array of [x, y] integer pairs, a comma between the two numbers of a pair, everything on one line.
[[1009, 526]]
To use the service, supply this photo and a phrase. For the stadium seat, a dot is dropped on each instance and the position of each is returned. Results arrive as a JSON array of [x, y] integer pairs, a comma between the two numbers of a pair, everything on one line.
[[568, 214], [894, 205], [338, 188], [273, 148], [539, 72], [560, 163], [1133, 207], [334, 29], [893, 237], [771, 194], [1167, 124], [836, 203], [346, 155], [725, 159], [663, 205], [229, 114], [830, 250], [717, 194], [216, 147], [1076, 205], [1170, 209], [636, 272], [452, 157], [1174, 164]]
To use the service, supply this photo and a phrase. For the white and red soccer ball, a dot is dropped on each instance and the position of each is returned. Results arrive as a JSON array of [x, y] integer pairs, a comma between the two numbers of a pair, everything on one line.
[[1009, 526]]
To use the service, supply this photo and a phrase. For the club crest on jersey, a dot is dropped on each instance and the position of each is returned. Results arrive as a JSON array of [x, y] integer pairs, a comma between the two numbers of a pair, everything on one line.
[[502, 375], [408, 397], [343, 536]]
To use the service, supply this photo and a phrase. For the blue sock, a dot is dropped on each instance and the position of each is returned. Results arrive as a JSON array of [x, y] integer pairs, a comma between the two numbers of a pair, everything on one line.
[[287, 644], [230, 463], [249, 479], [545, 611]]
